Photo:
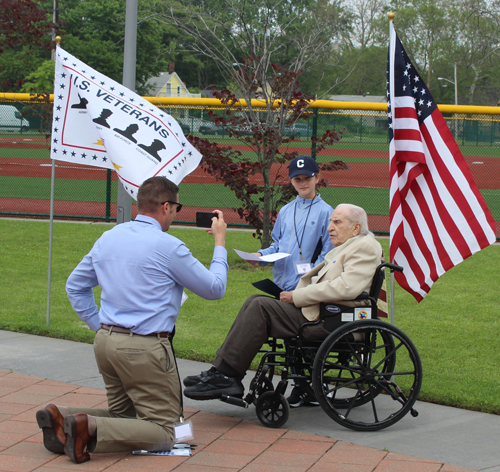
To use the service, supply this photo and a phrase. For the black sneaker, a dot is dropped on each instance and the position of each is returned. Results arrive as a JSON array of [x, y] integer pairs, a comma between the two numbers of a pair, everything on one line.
[[299, 397], [191, 380], [213, 385]]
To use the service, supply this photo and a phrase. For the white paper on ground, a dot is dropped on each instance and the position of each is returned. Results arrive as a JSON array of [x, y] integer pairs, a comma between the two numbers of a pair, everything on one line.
[[173, 452]]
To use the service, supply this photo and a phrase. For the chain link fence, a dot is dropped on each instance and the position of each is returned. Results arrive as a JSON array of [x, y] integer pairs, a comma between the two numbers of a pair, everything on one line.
[[89, 193]]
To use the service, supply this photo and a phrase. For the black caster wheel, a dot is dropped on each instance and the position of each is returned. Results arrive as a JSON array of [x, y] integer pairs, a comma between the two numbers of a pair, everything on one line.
[[272, 410]]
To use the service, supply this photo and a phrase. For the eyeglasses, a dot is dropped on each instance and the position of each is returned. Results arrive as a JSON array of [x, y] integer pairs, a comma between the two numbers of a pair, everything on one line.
[[179, 205]]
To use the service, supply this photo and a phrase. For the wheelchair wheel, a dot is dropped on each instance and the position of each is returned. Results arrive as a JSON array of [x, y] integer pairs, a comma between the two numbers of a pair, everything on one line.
[[272, 409], [367, 375]]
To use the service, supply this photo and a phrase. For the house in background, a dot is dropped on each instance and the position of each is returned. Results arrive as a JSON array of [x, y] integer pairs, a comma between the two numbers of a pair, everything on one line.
[[169, 84]]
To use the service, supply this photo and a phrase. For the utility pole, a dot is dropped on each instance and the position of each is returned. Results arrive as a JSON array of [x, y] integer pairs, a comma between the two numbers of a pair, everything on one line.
[[123, 199], [55, 19]]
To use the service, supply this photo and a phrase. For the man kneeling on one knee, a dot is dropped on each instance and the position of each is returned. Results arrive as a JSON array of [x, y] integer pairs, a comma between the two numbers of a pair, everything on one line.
[[347, 270], [142, 271]]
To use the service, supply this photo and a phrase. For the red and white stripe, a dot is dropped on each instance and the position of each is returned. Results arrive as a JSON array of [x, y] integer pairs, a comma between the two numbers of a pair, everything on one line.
[[438, 216]]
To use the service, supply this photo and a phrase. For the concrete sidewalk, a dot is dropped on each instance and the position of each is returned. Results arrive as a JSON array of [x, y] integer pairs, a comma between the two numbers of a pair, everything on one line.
[[36, 370]]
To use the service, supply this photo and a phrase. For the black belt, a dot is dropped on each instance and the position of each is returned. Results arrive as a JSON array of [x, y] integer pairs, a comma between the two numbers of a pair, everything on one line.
[[120, 329]]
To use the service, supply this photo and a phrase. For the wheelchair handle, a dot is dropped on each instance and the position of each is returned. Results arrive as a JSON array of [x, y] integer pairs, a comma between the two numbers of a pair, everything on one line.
[[392, 267]]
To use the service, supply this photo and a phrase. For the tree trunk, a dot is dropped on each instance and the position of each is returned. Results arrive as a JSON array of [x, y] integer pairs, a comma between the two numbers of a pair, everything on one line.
[[472, 89], [266, 211]]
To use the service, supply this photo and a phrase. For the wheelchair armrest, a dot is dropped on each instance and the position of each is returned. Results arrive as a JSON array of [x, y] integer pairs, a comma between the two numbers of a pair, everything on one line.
[[363, 296]]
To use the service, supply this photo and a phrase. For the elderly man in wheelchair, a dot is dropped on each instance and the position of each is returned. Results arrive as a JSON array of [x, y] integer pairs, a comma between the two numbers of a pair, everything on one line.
[[345, 365]]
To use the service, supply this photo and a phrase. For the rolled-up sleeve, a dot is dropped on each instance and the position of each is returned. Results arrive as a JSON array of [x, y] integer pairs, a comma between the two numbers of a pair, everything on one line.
[[79, 288]]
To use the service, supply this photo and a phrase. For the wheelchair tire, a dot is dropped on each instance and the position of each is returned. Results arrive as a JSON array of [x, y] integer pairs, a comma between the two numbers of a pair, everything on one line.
[[272, 410], [367, 375]]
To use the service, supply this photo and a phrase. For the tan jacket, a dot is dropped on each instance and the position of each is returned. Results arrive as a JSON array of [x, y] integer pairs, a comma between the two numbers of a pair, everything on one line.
[[346, 271]]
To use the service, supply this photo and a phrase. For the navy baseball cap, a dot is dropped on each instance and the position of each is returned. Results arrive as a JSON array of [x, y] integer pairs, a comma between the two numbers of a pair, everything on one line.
[[303, 165]]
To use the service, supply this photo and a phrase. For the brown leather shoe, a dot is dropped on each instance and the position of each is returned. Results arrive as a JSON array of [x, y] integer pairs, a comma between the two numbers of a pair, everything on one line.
[[77, 437], [52, 423]]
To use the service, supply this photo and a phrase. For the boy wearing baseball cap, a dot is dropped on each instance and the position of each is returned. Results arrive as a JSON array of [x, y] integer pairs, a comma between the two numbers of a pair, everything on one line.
[[301, 227]]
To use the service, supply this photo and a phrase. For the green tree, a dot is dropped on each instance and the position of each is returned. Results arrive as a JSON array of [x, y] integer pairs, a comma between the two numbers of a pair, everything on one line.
[[478, 47], [261, 48], [94, 31], [42, 80], [424, 29]]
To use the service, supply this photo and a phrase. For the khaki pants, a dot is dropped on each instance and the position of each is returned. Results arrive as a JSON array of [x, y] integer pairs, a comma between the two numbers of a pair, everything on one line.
[[143, 393], [260, 318]]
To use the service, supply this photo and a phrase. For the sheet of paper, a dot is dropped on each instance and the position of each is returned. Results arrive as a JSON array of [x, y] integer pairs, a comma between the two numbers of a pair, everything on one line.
[[248, 256], [173, 452], [274, 257]]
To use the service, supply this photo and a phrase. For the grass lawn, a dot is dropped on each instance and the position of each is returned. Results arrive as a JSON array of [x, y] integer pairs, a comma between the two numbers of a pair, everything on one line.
[[455, 328]]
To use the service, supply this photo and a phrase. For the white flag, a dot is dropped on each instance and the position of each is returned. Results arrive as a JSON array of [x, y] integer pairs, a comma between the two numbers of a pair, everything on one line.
[[99, 122]]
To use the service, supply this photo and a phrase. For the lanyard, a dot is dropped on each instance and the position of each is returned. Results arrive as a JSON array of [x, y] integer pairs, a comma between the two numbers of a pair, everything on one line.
[[305, 223]]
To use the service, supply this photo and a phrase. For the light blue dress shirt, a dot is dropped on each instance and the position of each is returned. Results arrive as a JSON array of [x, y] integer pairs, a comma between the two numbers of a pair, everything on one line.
[[302, 220], [142, 272]]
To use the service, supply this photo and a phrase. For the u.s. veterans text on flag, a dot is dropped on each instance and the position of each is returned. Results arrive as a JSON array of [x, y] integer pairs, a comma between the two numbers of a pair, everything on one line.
[[438, 216], [101, 123]]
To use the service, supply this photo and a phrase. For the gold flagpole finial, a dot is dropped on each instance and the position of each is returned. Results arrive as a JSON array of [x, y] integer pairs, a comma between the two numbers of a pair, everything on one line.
[[58, 39], [391, 16]]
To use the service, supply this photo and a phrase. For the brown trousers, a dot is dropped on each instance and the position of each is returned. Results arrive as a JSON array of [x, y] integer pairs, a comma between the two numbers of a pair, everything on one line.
[[143, 393], [259, 318]]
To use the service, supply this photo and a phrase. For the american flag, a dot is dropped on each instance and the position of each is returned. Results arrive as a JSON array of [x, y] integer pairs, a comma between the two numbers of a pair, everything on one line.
[[438, 216]]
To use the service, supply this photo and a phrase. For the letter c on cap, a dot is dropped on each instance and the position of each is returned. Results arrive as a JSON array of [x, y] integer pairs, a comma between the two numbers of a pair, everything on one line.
[[300, 163]]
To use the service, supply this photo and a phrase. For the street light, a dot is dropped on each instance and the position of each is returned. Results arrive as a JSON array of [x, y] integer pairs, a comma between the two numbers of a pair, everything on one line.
[[456, 93]]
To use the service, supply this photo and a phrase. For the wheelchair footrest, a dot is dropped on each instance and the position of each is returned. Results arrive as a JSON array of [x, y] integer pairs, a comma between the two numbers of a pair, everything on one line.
[[234, 401]]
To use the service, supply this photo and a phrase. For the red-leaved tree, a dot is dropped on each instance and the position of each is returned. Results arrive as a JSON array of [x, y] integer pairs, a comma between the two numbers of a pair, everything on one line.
[[23, 22], [260, 182]]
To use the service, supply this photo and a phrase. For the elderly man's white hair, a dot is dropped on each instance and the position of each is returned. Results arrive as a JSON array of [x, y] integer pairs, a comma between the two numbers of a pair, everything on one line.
[[356, 214]]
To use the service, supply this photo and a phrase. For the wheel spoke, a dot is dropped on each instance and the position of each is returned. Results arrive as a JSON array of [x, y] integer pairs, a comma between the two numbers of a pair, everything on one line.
[[354, 379]]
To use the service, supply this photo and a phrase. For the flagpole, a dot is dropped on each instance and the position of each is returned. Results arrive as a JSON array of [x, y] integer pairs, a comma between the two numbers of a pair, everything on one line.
[[391, 26], [52, 180], [51, 224]]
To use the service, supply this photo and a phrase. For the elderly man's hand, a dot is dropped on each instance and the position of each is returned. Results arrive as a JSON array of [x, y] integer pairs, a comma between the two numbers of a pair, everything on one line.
[[287, 297]]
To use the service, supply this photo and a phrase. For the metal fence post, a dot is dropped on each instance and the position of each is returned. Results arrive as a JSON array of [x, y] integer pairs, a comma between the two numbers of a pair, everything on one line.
[[314, 132], [108, 195]]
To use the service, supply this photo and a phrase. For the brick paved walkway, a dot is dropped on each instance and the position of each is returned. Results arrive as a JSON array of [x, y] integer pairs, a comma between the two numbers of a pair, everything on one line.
[[224, 443]]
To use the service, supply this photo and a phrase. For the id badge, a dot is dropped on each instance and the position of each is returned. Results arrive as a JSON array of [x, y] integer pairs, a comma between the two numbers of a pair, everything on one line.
[[183, 431], [302, 268]]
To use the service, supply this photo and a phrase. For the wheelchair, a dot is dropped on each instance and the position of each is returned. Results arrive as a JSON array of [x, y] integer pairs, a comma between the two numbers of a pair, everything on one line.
[[366, 375]]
